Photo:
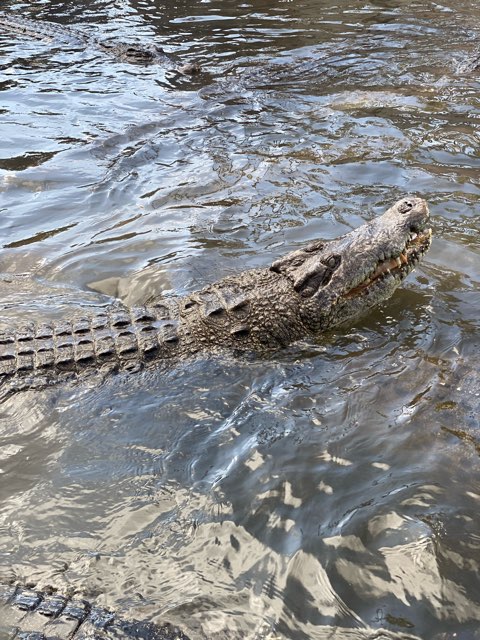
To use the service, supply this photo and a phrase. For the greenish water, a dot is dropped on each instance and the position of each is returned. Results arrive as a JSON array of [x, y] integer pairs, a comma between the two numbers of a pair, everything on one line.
[[333, 488]]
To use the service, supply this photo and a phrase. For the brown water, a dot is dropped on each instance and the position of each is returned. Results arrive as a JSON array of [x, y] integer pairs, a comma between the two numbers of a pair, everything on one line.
[[334, 487]]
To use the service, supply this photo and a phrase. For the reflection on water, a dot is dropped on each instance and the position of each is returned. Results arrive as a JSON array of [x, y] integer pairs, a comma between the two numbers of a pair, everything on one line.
[[330, 491]]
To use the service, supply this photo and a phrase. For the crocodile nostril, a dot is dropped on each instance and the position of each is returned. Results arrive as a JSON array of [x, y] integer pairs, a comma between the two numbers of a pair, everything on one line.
[[405, 206]]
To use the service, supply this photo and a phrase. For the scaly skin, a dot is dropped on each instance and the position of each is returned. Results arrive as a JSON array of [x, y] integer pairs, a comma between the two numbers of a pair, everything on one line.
[[36, 615], [470, 65], [303, 294], [124, 52]]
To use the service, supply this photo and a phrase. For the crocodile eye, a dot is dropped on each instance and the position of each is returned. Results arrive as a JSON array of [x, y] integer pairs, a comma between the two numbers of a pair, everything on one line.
[[312, 282], [332, 262]]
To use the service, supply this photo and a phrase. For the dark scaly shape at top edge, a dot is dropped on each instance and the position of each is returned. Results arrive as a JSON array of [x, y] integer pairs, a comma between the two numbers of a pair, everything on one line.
[[41, 615], [305, 293], [134, 53]]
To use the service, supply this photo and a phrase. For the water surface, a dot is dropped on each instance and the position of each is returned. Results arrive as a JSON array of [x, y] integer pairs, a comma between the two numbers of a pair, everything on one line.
[[333, 487]]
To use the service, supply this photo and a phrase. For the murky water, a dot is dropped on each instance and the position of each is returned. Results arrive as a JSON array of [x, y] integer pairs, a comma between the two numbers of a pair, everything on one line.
[[334, 487]]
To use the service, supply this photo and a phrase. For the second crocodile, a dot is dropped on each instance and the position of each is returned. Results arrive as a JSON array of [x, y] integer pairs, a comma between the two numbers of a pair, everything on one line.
[[121, 51]]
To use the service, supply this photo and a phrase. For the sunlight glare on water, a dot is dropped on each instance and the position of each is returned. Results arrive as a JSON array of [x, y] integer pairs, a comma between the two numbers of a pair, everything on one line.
[[330, 490]]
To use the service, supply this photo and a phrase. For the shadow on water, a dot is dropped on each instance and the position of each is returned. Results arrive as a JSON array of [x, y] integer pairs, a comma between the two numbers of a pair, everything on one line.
[[330, 490]]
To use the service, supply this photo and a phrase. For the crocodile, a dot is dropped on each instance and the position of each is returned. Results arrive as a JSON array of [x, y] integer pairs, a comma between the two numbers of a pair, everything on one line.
[[31, 614], [146, 54], [305, 293]]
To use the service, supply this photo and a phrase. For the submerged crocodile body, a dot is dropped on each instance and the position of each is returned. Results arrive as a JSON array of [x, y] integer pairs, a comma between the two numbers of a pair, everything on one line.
[[36, 615], [470, 65], [303, 294], [125, 52]]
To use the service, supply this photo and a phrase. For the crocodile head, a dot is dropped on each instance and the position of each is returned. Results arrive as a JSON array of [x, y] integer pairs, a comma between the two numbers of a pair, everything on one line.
[[340, 279], [143, 54], [153, 54]]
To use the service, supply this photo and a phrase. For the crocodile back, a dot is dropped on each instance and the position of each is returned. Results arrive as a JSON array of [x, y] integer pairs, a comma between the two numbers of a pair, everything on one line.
[[37, 615], [117, 339]]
